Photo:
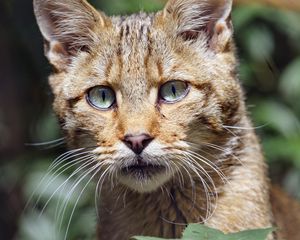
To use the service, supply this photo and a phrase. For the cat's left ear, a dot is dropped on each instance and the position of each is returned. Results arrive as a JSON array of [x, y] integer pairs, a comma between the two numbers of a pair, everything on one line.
[[195, 19], [68, 27]]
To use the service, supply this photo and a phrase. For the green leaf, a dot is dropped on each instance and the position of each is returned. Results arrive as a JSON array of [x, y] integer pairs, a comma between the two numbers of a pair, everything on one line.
[[149, 238], [258, 234], [280, 148], [201, 232], [128, 6], [277, 116], [290, 80], [262, 51], [35, 227], [243, 16]]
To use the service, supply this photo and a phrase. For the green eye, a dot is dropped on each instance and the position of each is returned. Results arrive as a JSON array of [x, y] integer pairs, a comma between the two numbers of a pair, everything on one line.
[[173, 91], [101, 97]]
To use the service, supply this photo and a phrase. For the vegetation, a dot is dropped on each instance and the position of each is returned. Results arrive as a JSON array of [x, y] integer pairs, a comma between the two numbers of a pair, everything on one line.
[[200, 232], [269, 52]]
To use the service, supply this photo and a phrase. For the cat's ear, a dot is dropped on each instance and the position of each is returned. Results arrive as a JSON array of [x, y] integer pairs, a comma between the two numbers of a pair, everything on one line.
[[68, 27], [197, 18]]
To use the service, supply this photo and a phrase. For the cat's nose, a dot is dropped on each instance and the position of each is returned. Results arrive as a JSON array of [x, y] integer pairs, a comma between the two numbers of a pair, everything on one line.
[[137, 143]]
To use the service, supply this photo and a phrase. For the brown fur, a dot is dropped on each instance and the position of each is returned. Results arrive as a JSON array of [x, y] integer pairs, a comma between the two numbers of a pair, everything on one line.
[[286, 213], [190, 40]]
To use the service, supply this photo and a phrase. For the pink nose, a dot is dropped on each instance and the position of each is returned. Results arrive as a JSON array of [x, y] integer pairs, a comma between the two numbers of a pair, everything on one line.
[[137, 143]]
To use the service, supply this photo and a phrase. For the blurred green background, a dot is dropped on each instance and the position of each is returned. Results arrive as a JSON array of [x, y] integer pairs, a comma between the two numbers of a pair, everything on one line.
[[268, 43]]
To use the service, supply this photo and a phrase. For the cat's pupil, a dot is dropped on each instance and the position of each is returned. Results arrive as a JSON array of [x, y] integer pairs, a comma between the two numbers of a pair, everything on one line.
[[174, 90], [103, 96]]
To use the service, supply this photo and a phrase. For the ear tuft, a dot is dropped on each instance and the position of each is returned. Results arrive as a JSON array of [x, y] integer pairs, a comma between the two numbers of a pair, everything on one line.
[[208, 18], [68, 27]]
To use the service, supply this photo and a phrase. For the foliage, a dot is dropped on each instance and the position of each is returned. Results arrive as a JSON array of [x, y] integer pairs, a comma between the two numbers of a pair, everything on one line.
[[52, 207], [268, 46], [128, 6], [201, 232]]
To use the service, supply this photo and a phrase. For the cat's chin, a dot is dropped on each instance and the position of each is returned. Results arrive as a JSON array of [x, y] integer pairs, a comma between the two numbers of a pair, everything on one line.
[[146, 179]]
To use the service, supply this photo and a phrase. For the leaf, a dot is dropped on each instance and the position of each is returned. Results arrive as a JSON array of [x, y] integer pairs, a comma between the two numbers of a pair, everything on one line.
[[277, 116], [36, 227], [290, 80], [150, 238], [258, 234], [262, 51], [201, 232], [244, 15], [129, 6]]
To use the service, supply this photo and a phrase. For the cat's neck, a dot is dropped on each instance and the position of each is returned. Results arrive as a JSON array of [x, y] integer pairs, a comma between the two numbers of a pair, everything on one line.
[[163, 213]]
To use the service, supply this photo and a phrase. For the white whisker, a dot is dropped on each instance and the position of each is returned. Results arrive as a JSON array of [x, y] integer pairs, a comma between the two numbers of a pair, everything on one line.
[[82, 176], [56, 141], [78, 198], [65, 167], [99, 189], [44, 177], [245, 128], [207, 190], [89, 161], [66, 156], [209, 164]]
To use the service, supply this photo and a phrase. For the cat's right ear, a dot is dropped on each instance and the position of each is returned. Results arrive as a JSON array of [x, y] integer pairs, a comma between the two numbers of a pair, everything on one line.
[[68, 27], [208, 20]]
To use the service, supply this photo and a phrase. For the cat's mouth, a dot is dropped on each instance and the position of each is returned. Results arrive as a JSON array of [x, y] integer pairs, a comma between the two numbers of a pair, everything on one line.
[[142, 170], [143, 175]]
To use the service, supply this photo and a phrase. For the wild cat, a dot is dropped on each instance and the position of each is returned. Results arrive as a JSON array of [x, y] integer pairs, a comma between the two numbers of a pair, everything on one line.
[[155, 102]]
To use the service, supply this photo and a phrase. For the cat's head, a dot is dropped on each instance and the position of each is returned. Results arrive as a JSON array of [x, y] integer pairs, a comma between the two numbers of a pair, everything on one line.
[[147, 92]]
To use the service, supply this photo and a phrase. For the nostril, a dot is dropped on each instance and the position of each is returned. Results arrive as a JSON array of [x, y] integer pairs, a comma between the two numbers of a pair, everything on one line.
[[128, 143], [137, 143], [146, 142]]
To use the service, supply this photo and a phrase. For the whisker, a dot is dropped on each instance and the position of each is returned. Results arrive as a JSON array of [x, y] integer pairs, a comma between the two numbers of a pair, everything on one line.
[[194, 196], [45, 143], [82, 176], [207, 188], [172, 222], [78, 198], [225, 151], [198, 167], [209, 199], [99, 189], [180, 175], [75, 161], [245, 128], [66, 167], [89, 161], [124, 197], [65, 156], [66, 198], [234, 134], [212, 165]]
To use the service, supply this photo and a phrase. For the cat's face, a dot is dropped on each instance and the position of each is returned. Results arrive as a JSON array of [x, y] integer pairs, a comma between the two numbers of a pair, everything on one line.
[[145, 92]]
